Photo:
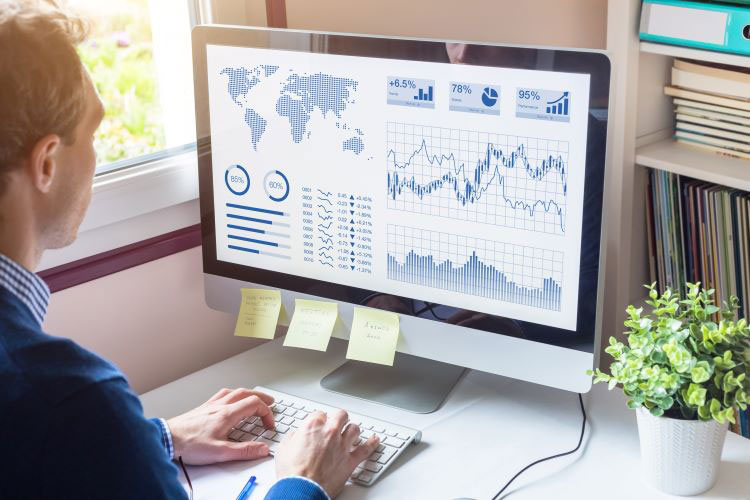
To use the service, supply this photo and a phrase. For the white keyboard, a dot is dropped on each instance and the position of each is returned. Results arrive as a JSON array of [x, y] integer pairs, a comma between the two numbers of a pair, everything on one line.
[[290, 412]]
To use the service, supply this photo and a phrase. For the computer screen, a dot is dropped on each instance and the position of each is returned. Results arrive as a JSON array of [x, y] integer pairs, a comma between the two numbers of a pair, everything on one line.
[[465, 181]]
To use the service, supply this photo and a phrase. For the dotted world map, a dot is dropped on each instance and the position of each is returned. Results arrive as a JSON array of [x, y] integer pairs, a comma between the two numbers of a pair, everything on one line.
[[299, 96]]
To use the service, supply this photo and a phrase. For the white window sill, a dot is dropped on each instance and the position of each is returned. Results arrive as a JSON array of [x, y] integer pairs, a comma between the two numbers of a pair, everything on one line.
[[135, 204]]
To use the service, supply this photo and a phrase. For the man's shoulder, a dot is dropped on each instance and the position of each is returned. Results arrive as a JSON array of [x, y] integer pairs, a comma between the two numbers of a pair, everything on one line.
[[47, 367]]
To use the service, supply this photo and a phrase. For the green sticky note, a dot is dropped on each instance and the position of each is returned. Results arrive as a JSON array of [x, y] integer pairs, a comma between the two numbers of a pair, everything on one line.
[[374, 336], [259, 313], [312, 324]]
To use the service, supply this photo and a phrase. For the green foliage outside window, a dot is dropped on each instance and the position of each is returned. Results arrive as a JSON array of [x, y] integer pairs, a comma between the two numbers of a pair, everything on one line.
[[120, 59]]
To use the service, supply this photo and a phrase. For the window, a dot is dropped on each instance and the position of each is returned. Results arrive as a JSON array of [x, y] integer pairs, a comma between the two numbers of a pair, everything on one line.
[[139, 56]]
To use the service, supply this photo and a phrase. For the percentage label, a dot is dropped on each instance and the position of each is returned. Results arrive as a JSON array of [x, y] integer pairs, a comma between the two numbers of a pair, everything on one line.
[[403, 84], [532, 95], [461, 88]]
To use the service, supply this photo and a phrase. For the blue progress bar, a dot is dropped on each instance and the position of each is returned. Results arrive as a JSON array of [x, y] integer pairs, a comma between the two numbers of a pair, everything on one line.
[[261, 210], [241, 217], [251, 240], [261, 252], [232, 226], [259, 231], [233, 247]]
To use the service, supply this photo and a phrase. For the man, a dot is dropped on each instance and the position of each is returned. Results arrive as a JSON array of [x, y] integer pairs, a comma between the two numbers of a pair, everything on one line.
[[69, 425]]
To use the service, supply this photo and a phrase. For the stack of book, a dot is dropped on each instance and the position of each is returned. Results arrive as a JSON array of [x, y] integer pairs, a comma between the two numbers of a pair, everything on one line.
[[700, 232], [712, 107]]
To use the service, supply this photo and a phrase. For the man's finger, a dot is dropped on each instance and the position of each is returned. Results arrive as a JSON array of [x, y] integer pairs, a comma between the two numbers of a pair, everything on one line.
[[350, 435], [242, 393], [337, 420], [252, 406], [219, 395], [316, 420], [364, 450], [249, 450]]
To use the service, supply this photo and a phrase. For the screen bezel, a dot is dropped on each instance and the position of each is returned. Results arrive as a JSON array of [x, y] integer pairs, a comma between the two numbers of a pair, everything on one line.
[[594, 63]]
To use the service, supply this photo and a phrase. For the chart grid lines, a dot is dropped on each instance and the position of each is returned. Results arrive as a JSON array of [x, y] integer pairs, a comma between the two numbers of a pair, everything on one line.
[[474, 266], [497, 179]]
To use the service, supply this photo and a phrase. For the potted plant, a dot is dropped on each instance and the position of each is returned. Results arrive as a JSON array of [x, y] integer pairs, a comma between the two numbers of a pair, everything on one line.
[[684, 375]]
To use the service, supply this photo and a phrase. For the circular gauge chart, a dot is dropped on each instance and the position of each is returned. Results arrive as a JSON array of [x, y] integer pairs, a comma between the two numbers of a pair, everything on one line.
[[237, 179], [276, 185]]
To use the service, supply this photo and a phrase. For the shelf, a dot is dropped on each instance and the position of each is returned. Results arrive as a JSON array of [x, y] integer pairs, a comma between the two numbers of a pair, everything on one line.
[[697, 54], [684, 160]]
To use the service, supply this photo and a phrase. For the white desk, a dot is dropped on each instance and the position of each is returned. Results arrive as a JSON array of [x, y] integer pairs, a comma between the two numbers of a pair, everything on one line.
[[489, 428]]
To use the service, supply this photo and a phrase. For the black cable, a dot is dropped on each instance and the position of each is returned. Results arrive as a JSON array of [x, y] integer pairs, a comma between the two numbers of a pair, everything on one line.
[[580, 440], [187, 476]]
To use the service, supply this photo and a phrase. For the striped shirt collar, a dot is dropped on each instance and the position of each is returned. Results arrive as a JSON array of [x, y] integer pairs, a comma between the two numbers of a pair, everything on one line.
[[26, 286]]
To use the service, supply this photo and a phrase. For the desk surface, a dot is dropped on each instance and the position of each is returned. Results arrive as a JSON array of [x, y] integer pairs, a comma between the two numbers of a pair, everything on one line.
[[489, 428]]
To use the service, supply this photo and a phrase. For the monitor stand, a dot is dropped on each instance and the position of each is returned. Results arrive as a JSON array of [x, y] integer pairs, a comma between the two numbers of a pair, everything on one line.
[[414, 384]]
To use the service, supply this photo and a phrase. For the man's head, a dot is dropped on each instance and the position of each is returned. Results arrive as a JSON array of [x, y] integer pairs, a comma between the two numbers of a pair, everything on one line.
[[49, 111]]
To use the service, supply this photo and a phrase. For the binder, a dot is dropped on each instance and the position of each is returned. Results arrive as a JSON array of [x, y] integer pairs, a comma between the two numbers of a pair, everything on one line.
[[700, 25]]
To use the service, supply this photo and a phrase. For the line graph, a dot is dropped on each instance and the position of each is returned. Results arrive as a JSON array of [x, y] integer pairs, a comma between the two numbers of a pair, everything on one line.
[[491, 269], [503, 180]]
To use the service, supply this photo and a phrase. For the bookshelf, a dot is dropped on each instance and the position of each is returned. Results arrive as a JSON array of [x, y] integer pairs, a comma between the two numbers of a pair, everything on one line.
[[697, 54], [668, 155], [641, 128]]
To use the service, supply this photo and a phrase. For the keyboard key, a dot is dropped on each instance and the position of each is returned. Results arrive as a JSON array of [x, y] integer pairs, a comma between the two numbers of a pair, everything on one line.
[[290, 411], [277, 408], [391, 441], [235, 435], [294, 425], [287, 420], [279, 417], [257, 431], [282, 428], [375, 457], [298, 405], [248, 427], [404, 436], [372, 466], [356, 472], [268, 434], [380, 448], [391, 432], [247, 437], [365, 476], [378, 429], [277, 437], [302, 415], [386, 455]]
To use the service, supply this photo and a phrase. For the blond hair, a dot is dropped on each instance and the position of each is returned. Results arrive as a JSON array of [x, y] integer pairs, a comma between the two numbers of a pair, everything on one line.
[[42, 80]]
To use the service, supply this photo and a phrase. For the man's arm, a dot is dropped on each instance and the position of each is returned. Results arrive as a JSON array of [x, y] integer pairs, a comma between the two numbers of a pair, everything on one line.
[[99, 445]]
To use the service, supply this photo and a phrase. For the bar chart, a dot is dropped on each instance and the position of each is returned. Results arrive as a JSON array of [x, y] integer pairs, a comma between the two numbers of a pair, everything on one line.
[[258, 231], [474, 266]]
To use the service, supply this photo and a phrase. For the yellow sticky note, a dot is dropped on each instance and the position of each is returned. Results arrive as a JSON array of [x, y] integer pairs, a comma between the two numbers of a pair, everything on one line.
[[374, 336], [259, 313], [312, 324]]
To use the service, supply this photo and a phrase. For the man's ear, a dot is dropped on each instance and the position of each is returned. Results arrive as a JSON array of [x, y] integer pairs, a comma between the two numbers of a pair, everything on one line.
[[43, 162]]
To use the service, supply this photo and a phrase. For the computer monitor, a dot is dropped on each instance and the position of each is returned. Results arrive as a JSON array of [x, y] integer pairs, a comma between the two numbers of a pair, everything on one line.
[[458, 184]]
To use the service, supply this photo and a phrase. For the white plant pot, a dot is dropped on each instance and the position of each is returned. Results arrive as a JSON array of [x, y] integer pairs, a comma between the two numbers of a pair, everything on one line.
[[680, 457]]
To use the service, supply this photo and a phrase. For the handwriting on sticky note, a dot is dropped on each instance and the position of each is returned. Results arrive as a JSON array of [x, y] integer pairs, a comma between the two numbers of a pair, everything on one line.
[[374, 336], [259, 313], [312, 324]]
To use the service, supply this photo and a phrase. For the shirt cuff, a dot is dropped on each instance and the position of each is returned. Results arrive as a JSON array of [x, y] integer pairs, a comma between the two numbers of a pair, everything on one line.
[[166, 438], [311, 482]]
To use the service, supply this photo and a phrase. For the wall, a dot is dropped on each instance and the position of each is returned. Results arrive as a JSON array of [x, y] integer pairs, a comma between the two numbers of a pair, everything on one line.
[[151, 321], [565, 23], [570, 23]]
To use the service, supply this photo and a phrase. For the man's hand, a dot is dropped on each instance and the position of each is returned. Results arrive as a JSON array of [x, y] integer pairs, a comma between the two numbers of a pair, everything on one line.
[[200, 435], [323, 450]]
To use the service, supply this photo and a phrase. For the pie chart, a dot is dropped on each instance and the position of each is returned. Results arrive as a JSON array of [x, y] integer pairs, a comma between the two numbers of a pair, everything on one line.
[[489, 97]]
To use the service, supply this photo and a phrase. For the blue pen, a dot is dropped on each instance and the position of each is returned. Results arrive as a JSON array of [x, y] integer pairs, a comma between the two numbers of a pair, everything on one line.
[[248, 489]]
